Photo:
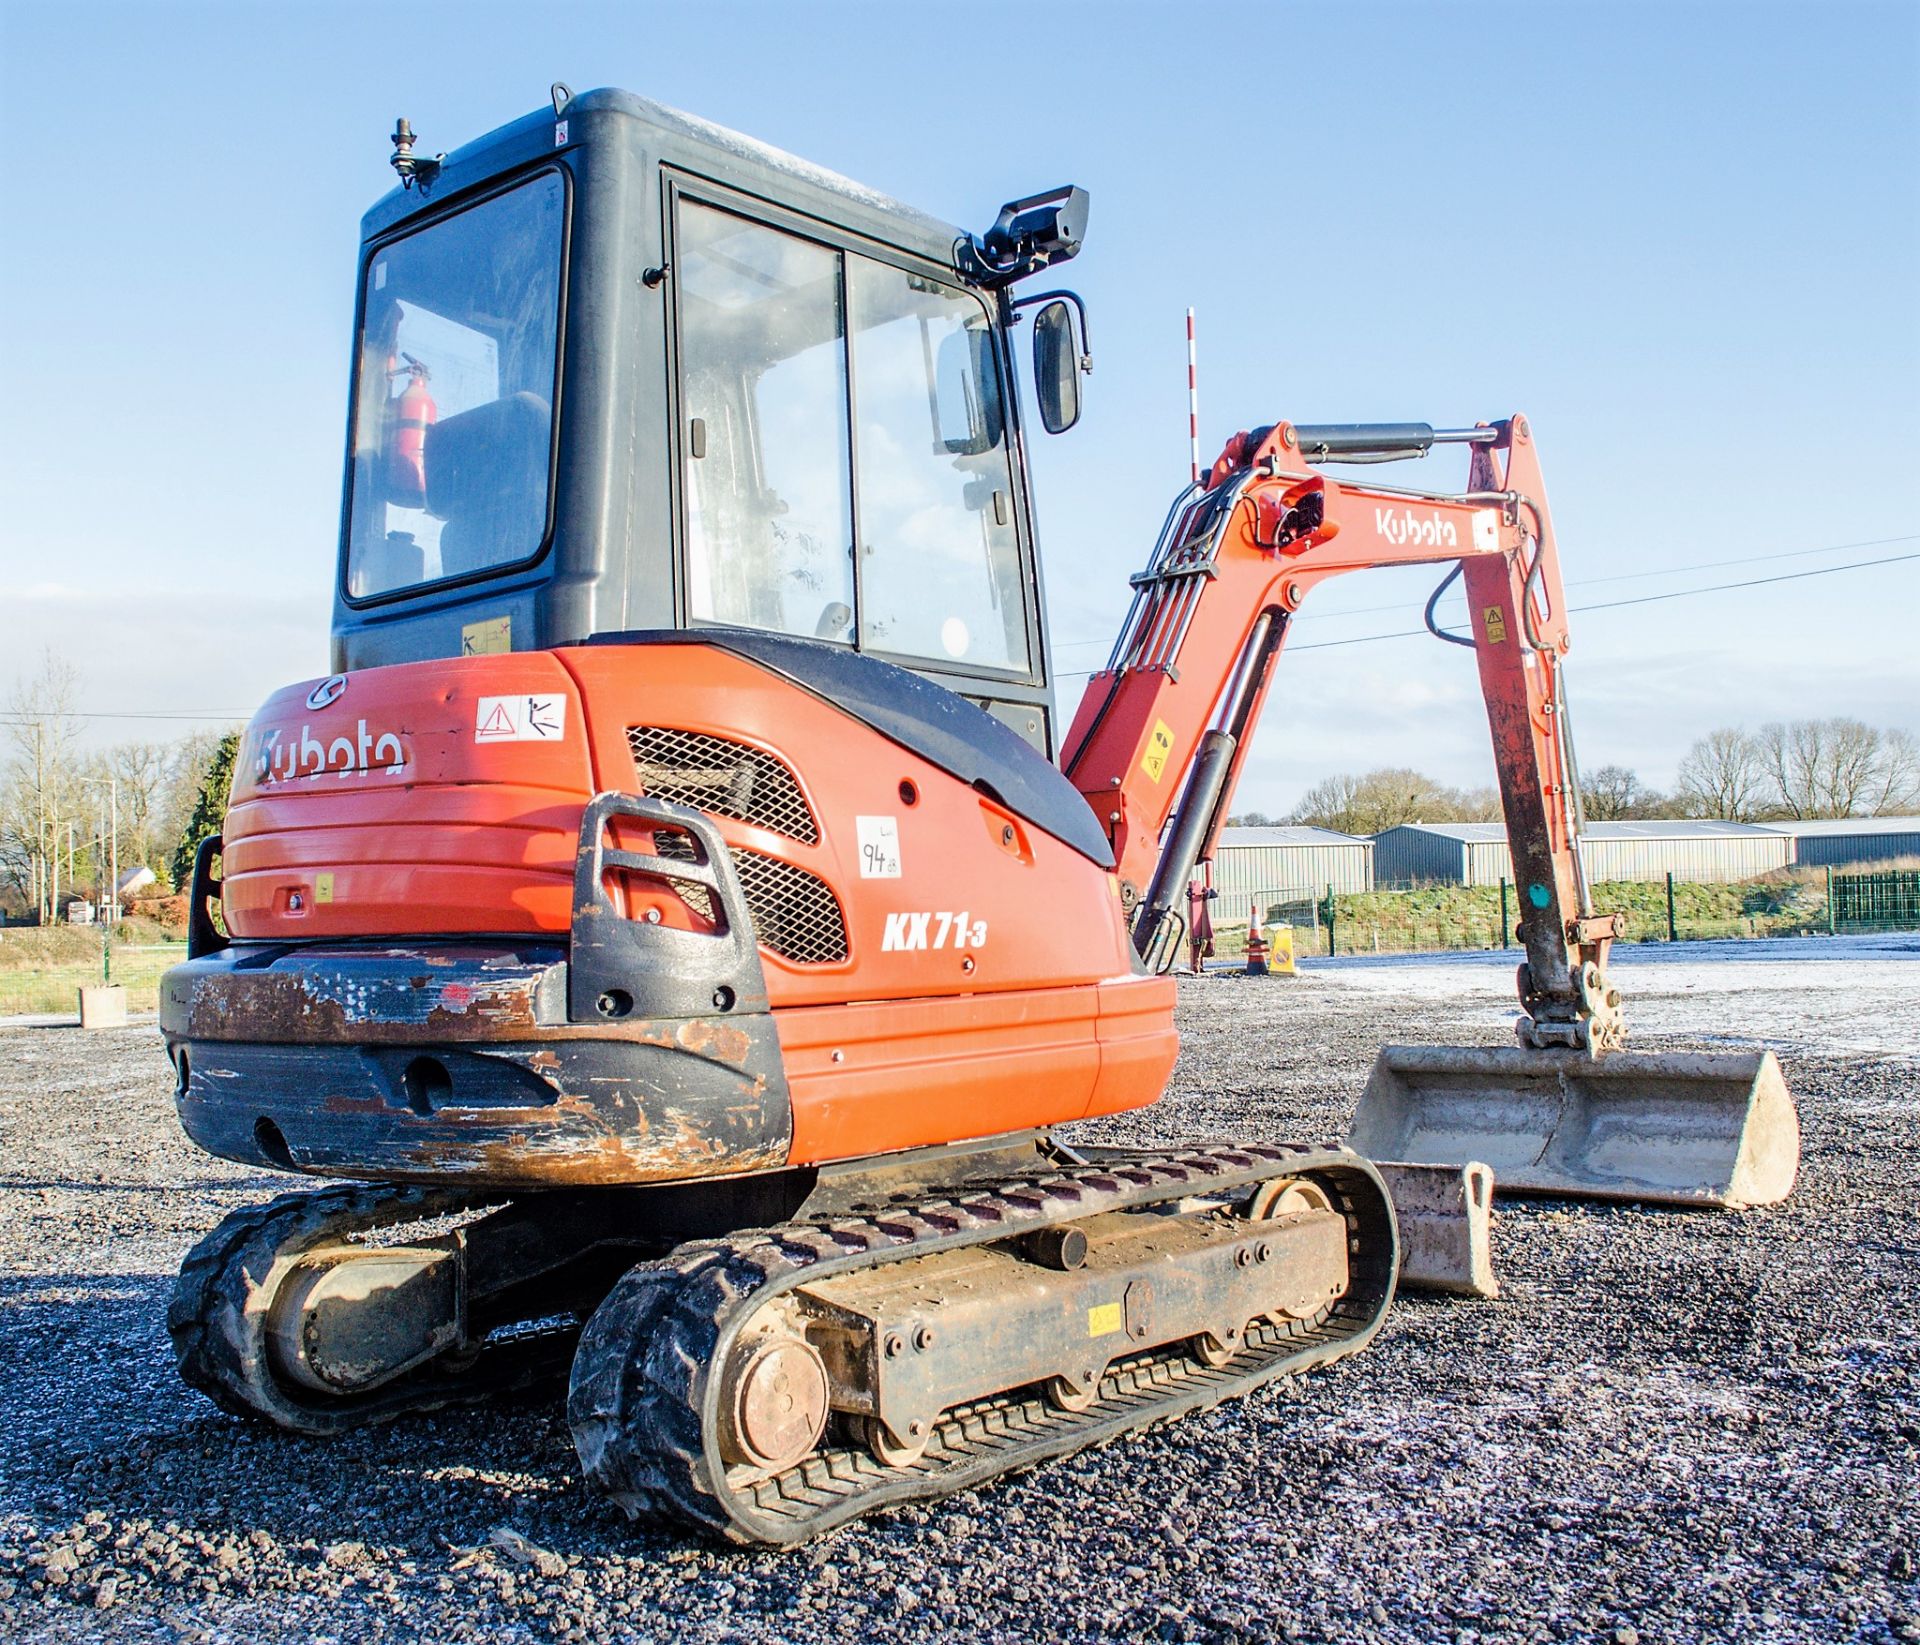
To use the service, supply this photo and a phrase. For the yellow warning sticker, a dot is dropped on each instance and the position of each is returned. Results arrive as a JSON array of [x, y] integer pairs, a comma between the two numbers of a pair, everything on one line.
[[1159, 750], [487, 639], [323, 888], [1103, 1320], [1495, 620]]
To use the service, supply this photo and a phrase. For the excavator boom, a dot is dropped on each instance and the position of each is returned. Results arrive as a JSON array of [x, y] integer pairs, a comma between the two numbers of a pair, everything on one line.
[[1187, 681], [1164, 729]]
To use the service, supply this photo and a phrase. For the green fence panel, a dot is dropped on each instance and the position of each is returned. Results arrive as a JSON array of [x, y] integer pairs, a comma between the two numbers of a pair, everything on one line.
[[1887, 901]]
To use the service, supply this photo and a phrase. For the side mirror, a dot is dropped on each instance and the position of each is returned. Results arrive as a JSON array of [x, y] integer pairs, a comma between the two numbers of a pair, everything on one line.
[[1056, 368], [966, 397]]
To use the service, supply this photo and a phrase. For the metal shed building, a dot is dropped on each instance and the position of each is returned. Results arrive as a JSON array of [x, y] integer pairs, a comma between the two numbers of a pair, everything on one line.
[[1851, 839], [1442, 854], [1701, 850], [1288, 862]]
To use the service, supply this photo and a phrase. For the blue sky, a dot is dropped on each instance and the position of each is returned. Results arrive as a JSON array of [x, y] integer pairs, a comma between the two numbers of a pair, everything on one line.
[[1680, 237]]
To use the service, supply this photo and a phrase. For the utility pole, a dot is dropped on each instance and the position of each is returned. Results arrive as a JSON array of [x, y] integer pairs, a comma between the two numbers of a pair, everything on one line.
[[113, 876], [107, 856], [44, 890], [100, 874]]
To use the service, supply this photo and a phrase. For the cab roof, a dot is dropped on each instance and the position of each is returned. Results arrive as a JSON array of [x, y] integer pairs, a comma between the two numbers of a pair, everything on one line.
[[684, 141]]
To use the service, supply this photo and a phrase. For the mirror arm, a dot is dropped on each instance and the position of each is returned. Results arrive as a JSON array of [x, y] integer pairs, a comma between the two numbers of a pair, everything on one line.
[[1080, 308]]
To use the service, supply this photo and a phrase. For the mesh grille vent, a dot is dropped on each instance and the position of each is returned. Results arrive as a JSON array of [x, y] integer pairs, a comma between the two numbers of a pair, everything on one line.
[[794, 913], [725, 778]]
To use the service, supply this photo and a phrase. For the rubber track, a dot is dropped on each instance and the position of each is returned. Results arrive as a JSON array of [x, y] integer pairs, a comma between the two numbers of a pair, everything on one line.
[[642, 1394], [217, 1316]]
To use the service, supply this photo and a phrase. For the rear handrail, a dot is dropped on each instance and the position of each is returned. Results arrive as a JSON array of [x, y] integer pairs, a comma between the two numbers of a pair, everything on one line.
[[619, 966]]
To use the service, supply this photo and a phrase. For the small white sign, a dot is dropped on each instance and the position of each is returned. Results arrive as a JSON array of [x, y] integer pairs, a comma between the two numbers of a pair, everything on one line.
[[879, 847], [536, 717], [1486, 531], [560, 134]]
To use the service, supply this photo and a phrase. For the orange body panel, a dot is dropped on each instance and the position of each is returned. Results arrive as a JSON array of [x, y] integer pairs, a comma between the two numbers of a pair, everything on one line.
[[1038, 914], [378, 814], [988, 981], [871, 1078]]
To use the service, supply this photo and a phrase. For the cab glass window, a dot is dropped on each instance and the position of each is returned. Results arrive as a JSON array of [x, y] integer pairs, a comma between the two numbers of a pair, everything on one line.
[[846, 474], [764, 397], [453, 421], [939, 562]]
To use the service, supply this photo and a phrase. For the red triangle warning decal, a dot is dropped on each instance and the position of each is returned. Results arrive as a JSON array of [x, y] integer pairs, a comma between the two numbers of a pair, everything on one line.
[[499, 723]]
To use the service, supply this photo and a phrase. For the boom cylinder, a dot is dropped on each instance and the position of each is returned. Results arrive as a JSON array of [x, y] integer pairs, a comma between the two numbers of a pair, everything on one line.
[[1382, 442], [1191, 825]]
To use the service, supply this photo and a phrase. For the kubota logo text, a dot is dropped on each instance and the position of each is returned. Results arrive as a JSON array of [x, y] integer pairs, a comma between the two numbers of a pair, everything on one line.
[[1402, 527], [933, 930], [279, 756]]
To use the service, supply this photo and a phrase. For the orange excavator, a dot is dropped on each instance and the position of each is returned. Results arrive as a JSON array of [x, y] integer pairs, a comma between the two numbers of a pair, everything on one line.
[[668, 916]]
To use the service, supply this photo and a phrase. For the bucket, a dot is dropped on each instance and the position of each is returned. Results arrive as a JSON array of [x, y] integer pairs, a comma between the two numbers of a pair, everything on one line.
[[1674, 1128]]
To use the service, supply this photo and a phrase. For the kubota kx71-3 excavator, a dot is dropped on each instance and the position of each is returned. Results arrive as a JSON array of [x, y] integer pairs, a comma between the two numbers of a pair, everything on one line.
[[669, 913]]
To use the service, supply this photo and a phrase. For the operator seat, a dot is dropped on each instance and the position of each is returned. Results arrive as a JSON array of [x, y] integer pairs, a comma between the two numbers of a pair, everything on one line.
[[486, 473]]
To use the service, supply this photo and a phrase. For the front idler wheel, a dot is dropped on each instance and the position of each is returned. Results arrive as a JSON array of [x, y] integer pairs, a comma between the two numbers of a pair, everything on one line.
[[774, 1403]]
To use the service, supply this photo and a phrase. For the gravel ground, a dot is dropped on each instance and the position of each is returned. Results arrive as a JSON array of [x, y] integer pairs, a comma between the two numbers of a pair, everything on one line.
[[1671, 1427]]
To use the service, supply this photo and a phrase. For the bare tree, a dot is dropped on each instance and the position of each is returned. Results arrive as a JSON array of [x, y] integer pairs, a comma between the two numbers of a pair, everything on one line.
[[1386, 798], [1611, 792], [140, 774], [1478, 804], [1330, 803], [1615, 793], [1723, 775], [1896, 788], [1836, 767], [41, 798], [187, 764]]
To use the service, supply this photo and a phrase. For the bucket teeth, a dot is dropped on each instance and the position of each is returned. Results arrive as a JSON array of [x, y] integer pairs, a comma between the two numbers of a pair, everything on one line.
[[1674, 1128]]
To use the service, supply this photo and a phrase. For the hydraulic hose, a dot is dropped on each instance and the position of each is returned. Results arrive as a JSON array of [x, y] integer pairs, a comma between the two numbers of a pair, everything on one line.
[[1433, 602]]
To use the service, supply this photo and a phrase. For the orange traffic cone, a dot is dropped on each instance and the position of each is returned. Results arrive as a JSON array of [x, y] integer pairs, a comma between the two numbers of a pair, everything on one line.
[[1256, 944]]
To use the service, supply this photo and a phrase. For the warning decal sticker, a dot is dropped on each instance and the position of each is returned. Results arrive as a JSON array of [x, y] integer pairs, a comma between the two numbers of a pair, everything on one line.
[[537, 717], [1159, 749], [1495, 620], [487, 639]]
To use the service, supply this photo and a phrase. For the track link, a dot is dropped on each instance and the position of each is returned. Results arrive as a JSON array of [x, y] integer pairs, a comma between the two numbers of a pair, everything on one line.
[[217, 1317], [643, 1399]]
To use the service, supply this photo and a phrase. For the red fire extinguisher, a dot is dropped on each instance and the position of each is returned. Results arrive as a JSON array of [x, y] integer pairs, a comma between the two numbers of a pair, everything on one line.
[[411, 416]]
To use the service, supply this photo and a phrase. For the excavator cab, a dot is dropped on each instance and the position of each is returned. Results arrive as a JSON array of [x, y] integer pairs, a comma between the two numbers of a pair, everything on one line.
[[619, 370]]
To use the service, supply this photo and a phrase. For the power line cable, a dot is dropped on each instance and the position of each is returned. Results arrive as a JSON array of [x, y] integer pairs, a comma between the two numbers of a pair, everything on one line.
[[1316, 645], [1615, 577], [1602, 605], [131, 714], [1675, 571]]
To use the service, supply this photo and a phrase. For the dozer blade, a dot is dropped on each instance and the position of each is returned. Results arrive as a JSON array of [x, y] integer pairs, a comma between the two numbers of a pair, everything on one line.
[[1445, 1214], [1680, 1128]]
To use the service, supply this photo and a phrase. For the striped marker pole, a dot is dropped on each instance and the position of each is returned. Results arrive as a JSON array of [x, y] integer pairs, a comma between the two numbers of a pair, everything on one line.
[[1193, 400]]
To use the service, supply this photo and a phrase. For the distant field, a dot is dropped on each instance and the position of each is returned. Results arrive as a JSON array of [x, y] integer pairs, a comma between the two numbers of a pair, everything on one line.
[[43, 969]]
